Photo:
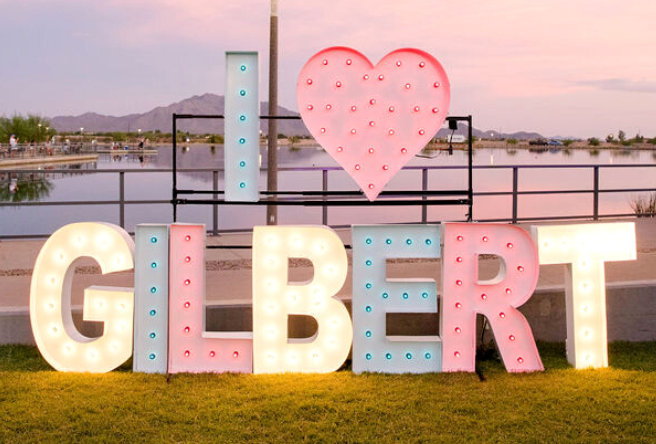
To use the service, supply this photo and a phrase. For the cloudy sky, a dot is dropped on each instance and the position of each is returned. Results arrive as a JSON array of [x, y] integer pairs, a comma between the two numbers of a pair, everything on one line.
[[561, 67]]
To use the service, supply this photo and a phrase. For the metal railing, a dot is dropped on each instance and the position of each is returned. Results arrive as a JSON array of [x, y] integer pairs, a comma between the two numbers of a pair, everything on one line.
[[419, 199]]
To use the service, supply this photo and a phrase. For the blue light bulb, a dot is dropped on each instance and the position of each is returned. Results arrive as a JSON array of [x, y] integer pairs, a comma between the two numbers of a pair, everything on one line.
[[153, 312], [152, 335], [242, 185], [388, 356], [408, 356], [153, 290], [152, 356], [408, 241], [406, 295], [368, 285], [242, 92], [368, 334], [368, 309], [428, 356], [368, 263], [153, 265], [368, 356], [242, 141], [243, 67], [242, 164], [424, 295], [428, 241], [388, 241], [153, 239], [385, 295], [368, 241], [242, 118]]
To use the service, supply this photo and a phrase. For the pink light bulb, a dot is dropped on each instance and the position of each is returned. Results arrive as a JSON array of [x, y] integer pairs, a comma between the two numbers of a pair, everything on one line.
[[354, 108], [520, 360], [391, 132], [404, 150], [391, 109], [416, 108], [509, 245], [511, 337], [485, 239], [212, 354], [436, 84], [372, 102], [340, 149], [436, 110], [187, 353], [329, 107], [459, 259], [407, 86], [457, 354], [187, 305], [457, 330], [310, 107], [422, 64], [323, 130], [460, 238], [187, 329], [372, 123], [398, 63], [502, 315], [458, 305], [309, 81], [235, 354], [520, 269], [381, 77], [422, 132], [187, 238], [371, 150], [357, 167], [187, 281], [508, 291], [366, 76], [484, 296], [353, 131], [324, 61], [459, 283], [338, 84], [188, 259], [349, 61], [371, 186], [385, 167]]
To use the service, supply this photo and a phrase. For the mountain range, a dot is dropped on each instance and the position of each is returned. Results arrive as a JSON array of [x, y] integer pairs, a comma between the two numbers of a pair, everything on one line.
[[160, 119]]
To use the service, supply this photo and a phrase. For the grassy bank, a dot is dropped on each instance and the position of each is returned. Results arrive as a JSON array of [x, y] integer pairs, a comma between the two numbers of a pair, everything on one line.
[[559, 405]]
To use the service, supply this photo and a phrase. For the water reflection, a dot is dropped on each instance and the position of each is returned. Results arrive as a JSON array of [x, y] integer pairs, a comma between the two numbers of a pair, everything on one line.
[[24, 187]]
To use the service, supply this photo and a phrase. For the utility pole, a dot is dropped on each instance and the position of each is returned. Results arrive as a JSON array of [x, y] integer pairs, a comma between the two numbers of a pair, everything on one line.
[[272, 155]]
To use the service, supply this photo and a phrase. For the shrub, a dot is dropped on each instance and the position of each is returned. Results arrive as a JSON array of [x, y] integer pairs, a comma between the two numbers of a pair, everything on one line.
[[593, 141], [644, 206]]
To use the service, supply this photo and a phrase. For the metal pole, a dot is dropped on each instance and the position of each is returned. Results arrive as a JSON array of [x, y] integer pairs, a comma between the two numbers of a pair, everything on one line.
[[470, 216], [424, 187], [514, 194], [595, 201], [175, 168], [324, 187], [272, 157], [121, 198], [215, 207]]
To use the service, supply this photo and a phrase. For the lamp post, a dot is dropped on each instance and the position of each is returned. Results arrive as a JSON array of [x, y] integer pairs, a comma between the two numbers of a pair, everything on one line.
[[272, 147]]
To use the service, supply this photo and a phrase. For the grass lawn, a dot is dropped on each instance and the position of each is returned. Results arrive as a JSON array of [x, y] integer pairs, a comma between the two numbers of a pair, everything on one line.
[[618, 404]]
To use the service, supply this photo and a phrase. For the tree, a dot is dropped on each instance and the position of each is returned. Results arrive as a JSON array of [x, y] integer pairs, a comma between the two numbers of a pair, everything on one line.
[[511, 141], [638, 138], [621, 135], [32, 128], [593, 141], [610, 138], [568, 142]]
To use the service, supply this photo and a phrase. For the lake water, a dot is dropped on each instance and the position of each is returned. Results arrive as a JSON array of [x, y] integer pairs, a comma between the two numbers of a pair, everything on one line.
[[51, 187]]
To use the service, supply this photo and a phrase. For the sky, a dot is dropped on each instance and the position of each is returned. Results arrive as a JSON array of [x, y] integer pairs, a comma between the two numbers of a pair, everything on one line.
[[578, 68]]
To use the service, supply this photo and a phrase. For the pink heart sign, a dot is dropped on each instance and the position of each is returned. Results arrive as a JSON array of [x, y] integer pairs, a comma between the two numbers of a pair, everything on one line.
[[373, 119]]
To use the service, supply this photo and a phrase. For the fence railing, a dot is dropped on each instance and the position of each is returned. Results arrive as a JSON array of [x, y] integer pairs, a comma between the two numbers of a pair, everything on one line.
[[595, 191]]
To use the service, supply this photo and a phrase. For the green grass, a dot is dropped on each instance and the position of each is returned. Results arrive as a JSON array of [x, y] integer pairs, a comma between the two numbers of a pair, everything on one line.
[[618, 404]]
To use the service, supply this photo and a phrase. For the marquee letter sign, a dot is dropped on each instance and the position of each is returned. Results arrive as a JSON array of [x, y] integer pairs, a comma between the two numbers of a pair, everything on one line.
[[274, 300], [374, 296], [464, 295], [59, 341], [584, 249]]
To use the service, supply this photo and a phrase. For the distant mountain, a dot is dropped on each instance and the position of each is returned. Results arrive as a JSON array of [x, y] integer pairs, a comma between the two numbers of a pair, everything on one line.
[[160, 119]]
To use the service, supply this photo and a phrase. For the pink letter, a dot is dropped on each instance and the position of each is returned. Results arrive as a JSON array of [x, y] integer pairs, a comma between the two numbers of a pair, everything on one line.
[[464, 295], [191, 348]]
